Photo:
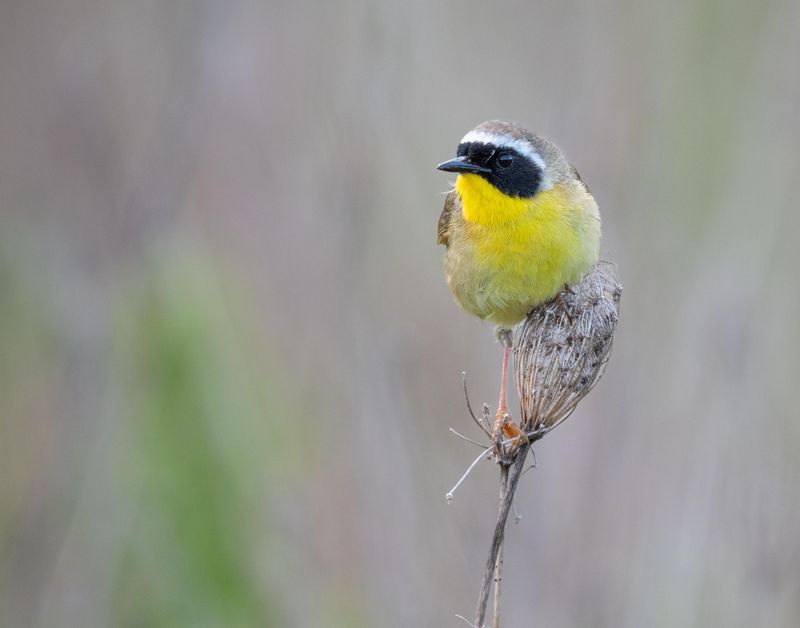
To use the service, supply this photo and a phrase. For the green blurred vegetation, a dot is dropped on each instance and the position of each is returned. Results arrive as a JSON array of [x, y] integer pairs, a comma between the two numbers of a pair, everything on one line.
[[200, 425]]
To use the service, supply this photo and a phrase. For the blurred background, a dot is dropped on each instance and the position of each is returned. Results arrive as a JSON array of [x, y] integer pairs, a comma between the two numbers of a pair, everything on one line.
[[229, 360]]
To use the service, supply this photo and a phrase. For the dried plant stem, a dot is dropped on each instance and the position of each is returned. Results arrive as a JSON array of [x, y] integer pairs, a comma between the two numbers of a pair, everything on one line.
[[449, 495], [511, 474], [498, 563], [498, 577], [469, 406]]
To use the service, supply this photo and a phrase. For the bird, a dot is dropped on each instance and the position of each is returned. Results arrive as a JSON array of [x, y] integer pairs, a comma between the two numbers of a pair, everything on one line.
[[519, 227]]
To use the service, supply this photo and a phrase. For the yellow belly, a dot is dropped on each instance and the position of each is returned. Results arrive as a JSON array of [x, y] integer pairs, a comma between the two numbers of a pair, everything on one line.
[[506, 256]]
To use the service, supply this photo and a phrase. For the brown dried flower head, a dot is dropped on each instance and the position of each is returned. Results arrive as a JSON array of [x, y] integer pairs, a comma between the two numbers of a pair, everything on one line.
[[561, 349]]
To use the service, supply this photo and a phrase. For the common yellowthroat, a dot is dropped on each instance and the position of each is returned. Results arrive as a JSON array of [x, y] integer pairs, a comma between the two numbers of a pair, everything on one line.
[[519, 226]]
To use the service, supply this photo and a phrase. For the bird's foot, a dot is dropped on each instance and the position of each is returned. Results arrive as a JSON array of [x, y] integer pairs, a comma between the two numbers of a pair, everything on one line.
[[507, 436]]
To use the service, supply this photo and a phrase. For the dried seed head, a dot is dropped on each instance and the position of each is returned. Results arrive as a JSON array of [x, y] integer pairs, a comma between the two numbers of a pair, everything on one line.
[[561, 349]]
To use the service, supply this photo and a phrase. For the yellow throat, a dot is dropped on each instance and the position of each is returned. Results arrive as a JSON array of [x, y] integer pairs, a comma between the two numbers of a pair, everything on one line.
[[484, 204]]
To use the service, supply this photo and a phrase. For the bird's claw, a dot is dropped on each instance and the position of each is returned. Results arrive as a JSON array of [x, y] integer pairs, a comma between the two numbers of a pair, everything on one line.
[[507, 433]]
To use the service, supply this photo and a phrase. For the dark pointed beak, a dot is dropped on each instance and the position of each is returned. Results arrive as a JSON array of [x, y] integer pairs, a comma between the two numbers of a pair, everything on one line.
[[462, 164]]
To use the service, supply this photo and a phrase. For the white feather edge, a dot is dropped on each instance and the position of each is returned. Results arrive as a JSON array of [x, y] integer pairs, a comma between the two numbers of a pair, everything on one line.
[[521, 146]]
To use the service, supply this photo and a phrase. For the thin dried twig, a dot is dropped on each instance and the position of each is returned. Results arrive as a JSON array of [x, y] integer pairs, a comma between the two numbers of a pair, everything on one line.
[[488, 452], [466, 621], [449, 495], [466, 438], [487, 420], [514, 513], [469, 405]]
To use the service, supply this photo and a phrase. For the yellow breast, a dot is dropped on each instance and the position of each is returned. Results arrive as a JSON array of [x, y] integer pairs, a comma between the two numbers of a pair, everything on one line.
[[507, 255]]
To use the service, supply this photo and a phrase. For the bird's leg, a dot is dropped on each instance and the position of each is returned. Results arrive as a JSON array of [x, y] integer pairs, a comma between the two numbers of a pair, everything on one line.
[[504, 425], [506, 339], [502, 407]]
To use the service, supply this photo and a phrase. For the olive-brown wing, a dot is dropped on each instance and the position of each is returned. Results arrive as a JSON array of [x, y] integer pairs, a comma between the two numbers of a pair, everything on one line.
[[450, 203], [577, 175]]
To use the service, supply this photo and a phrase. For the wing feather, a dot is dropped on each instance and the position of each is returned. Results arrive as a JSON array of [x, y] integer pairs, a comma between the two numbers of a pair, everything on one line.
[[444, 218], [578, 177]]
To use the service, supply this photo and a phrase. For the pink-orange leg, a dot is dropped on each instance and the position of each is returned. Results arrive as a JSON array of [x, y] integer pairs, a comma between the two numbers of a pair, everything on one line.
[[503, 406], [502, 419], [504, 425]]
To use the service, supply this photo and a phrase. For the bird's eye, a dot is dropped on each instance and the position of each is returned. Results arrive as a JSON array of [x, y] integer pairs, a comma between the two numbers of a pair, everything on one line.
[[505, 160]]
